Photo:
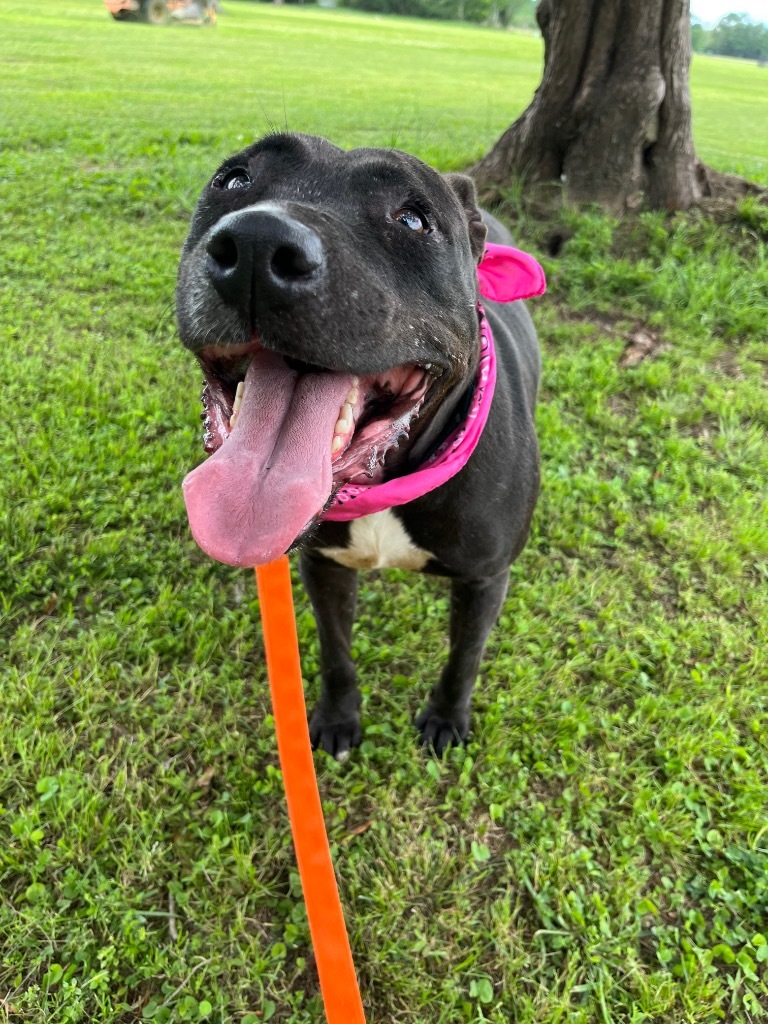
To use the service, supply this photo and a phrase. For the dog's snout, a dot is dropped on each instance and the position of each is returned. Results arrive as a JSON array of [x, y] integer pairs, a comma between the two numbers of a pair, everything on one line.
[[266, 254]]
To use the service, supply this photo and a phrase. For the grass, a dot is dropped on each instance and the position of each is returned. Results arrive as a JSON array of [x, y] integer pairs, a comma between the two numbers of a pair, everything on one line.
[[598, 852]]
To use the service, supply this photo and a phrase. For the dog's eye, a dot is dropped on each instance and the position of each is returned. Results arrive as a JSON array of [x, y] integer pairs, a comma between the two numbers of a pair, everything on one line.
[[412, 219], [236, 178]]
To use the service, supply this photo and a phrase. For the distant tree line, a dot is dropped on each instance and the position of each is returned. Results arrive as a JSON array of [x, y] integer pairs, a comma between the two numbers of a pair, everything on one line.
[[735, 35], [502, 13]]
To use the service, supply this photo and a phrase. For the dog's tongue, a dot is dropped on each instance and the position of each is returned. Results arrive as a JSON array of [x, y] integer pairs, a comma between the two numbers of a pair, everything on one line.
[[250, 500]]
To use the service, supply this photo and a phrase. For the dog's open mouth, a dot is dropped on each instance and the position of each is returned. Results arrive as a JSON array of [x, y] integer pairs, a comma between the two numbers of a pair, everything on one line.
[[283, 436]]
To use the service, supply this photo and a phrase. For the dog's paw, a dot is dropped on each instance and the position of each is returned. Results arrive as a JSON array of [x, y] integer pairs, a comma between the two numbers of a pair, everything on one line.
[[439, 732], [335, 734]]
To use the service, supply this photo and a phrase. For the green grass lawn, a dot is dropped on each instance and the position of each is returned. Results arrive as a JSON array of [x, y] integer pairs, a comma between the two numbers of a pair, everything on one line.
[[598, 852]]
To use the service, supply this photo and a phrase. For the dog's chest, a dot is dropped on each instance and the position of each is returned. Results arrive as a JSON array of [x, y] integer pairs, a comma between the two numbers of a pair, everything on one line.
[[378, 541]]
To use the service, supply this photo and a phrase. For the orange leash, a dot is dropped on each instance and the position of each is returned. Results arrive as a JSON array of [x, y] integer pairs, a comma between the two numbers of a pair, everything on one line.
[[338, 982]]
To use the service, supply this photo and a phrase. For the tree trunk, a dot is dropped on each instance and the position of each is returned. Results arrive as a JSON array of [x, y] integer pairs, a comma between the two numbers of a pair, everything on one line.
[[611, 118], [494, 18]]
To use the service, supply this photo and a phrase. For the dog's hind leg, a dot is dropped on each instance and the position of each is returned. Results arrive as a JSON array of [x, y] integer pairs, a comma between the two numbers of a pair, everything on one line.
[[475, 607], [334, 725]]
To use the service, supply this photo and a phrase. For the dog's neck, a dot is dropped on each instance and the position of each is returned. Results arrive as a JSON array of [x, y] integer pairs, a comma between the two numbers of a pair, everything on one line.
[[352, 501], [504, 275], [452, 411]]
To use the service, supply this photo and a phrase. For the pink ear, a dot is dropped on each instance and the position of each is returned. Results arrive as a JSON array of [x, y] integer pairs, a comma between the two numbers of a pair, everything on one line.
[[506, 274]]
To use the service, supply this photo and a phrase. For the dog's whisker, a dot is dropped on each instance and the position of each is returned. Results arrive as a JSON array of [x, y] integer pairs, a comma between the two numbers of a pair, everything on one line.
[[162, 319]]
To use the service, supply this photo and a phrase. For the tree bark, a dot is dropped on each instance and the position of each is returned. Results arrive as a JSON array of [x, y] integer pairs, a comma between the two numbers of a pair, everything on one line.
[[611, 118]]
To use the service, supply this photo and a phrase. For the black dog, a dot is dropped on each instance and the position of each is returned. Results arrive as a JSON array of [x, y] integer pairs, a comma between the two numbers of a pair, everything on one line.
[[341, 288]]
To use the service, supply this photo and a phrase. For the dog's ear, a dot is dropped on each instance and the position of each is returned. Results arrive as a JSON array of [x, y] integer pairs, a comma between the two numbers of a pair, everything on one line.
[[464, 188]]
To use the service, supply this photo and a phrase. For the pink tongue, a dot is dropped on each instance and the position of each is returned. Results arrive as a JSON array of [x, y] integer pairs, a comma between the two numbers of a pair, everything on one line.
[[250, 500]]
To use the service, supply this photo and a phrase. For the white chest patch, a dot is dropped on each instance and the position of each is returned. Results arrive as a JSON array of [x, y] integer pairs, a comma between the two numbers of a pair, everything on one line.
[[379, 541]]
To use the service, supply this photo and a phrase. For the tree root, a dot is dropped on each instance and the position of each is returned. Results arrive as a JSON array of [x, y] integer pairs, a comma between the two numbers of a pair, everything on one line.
[[726, 188]]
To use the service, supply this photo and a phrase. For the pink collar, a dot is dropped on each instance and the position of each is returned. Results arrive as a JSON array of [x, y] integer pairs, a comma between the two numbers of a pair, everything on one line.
[[504, 275]]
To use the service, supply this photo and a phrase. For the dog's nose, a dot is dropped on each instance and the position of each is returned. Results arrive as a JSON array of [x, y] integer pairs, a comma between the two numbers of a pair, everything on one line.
[[265, 254]]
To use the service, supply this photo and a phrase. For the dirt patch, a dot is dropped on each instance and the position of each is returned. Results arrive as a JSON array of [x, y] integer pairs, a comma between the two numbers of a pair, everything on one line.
[[705, 429], [727, 364], [622, 404], [641, 344]]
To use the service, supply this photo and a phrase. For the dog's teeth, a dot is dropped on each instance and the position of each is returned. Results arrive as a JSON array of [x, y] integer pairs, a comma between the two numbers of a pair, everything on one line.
[[345, 421], [343, 426], [236, 404], [428, 366]]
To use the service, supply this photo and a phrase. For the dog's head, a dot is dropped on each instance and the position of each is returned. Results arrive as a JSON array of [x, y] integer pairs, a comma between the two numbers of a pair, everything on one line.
[[330, 298]]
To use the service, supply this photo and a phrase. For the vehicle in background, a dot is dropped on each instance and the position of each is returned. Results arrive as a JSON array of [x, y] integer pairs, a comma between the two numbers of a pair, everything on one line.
[[160, 12]]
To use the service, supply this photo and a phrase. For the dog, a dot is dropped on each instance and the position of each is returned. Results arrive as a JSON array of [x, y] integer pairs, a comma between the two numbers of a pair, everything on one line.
[[355, 405]]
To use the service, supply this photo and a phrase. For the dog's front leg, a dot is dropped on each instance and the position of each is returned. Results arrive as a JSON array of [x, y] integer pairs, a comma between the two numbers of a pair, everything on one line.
[[475, 606], [334, 725]]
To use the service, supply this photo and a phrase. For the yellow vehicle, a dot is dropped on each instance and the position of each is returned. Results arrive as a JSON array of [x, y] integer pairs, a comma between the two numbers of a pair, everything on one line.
[[160, 12]]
